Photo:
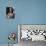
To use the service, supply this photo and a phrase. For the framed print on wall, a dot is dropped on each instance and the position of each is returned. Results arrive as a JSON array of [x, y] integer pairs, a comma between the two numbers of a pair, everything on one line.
[[10, 12]]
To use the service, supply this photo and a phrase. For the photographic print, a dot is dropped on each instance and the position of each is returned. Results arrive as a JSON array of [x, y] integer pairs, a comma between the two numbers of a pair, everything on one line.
[[10, 12]]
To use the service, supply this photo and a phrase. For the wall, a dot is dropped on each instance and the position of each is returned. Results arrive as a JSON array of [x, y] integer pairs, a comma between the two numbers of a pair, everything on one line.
[[31, 11], [27, 12], [6, 25]]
